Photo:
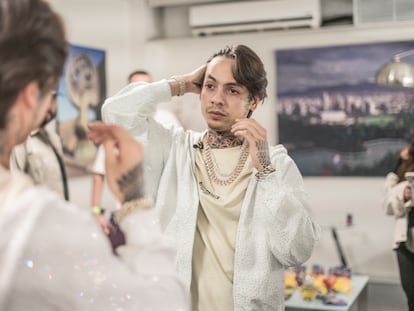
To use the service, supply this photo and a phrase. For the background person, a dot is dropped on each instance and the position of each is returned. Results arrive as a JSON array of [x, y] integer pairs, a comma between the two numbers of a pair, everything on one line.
[[53, 255], [41, 156], [234, 205], [398, 203]]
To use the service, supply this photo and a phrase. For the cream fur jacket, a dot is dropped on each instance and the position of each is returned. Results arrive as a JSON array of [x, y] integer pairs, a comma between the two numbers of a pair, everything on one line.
[[394, 205], [275, 228]]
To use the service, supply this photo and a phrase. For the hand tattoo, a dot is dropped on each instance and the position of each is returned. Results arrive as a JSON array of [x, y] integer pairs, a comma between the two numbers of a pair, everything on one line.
[[131, 184], [263, 153]]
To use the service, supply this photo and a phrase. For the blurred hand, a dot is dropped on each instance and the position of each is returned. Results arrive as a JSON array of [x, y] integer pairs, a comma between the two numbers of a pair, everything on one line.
[[123, 160], [105, 226]]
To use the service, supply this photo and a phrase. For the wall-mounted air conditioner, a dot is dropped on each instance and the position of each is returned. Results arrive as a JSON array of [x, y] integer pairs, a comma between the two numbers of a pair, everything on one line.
[[240, 16], [383, 11]]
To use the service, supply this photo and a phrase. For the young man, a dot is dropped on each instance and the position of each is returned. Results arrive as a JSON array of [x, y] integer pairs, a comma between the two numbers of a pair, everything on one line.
[[41, 156], [53, 256], [235, 206]]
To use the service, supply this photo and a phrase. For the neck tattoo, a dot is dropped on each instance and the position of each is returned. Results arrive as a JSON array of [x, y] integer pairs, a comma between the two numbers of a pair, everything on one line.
[[220, 140]]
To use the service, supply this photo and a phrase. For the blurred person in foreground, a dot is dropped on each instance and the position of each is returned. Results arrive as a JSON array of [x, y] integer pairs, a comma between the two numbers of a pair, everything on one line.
[[398, 202], [234, 205], [53, 256]]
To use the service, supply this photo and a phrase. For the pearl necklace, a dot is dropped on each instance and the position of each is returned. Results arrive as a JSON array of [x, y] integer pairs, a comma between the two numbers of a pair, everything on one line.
[[212, 167]]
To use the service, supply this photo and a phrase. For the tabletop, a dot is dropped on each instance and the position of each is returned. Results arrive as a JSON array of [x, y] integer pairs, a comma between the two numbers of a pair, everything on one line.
[[359, 283]]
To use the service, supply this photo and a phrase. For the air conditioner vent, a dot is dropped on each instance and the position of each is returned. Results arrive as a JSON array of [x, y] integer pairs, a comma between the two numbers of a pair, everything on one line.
[[243, 16]]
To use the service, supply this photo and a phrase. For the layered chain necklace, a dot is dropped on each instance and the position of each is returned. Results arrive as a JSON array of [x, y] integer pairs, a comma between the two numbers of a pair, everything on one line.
[[212, 167]]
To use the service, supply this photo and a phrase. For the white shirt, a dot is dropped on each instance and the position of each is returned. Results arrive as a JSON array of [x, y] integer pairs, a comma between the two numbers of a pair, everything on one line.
[[53, 256]]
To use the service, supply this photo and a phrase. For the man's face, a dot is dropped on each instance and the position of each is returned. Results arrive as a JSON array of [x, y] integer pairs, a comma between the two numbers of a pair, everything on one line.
[[222, 99]]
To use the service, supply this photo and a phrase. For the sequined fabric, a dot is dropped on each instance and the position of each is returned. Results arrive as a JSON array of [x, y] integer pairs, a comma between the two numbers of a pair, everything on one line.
[[53, 256]]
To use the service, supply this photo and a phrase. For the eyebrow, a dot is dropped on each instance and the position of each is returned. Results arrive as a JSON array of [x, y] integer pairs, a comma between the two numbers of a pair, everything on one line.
[[226, 84]]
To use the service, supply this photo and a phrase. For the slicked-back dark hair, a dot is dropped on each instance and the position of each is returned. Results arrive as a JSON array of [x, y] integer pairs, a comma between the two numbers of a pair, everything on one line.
[[33, 47], [248, 69]]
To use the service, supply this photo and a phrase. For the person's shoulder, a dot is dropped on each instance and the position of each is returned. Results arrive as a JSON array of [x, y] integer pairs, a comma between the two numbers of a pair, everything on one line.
[[23, 202], [41, 195], [51, 132], [48, 206], [14, 182]]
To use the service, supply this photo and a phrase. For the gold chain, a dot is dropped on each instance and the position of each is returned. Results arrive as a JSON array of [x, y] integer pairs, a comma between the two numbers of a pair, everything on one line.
[[213, 169]]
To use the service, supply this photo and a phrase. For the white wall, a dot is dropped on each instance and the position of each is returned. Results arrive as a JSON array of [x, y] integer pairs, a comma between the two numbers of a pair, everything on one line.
[[118, 26], [113, 25]]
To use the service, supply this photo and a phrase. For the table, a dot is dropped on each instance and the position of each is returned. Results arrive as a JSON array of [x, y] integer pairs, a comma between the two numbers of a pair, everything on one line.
[[358, 295]]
